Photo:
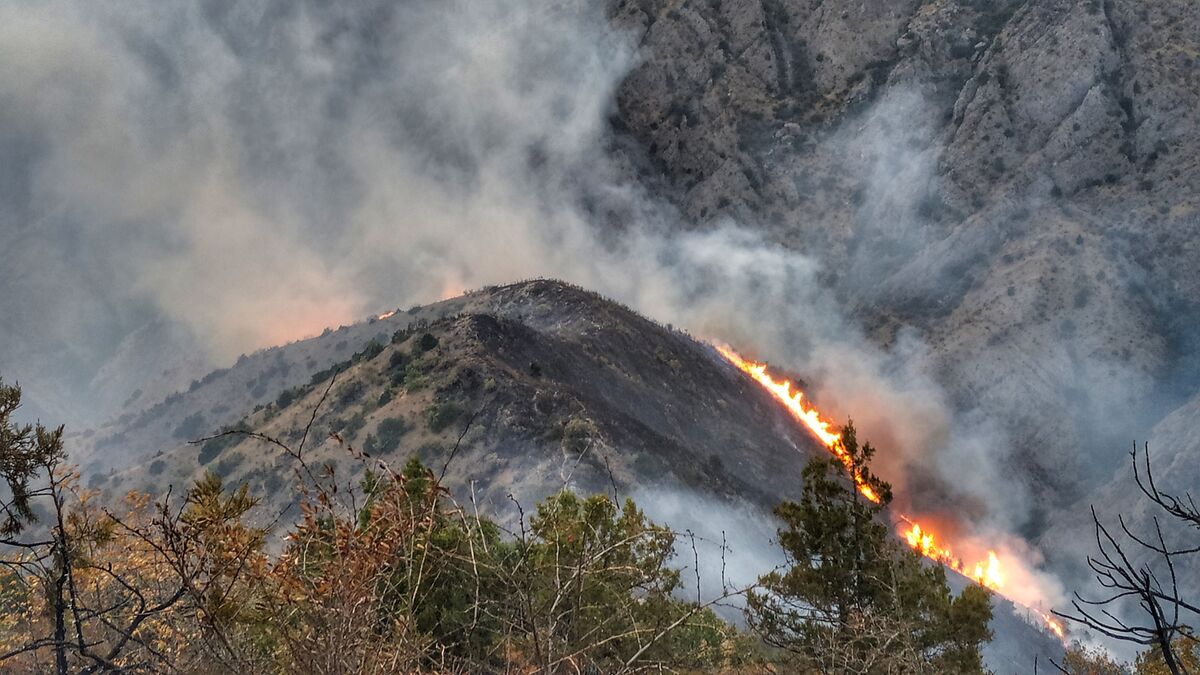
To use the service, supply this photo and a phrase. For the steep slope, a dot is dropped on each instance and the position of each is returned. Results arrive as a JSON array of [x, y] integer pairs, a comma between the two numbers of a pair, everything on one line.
[[512, 392], [539, 385], [1013, 179]]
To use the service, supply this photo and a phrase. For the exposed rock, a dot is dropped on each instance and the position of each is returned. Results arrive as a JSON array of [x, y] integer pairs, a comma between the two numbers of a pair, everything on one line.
[[1016, 180]]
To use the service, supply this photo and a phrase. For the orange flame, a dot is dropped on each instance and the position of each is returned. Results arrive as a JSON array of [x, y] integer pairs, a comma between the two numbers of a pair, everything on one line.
[[386, 315], [987, 572], [794, 401], [1054, 626]]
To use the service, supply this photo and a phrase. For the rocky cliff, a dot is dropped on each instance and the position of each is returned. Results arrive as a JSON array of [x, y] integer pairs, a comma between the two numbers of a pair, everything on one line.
[[1015, 179]]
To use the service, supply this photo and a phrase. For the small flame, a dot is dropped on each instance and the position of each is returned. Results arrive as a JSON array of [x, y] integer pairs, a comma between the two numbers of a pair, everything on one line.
[[1054, 626], [987, 572], [387, 315]]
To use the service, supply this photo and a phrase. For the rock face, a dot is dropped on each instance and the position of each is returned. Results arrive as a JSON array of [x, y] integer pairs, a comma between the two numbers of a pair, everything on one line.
[[1017, 180]]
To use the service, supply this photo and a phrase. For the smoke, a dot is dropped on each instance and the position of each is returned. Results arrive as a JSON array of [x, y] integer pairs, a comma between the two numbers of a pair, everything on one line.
[[719, 546], [252, 172]]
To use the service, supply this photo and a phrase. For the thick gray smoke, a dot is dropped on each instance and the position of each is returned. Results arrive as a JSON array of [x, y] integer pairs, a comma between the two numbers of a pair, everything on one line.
[[211, 178]]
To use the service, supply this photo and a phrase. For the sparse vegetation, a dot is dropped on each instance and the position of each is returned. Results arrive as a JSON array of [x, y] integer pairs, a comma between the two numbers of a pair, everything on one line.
[[396, 579], [223, 439], [228, 464]]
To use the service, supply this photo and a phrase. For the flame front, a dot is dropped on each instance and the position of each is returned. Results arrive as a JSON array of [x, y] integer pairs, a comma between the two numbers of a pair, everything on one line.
[[794, 401], [987, 572]]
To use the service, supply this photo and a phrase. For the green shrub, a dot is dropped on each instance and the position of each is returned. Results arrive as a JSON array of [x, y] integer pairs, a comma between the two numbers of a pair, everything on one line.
[[442, 415], [215, 446], [373, 349], [427, 342], [398, 360], [228, 464], [287, 396], [191, 427], [578, 433], [387, 436]]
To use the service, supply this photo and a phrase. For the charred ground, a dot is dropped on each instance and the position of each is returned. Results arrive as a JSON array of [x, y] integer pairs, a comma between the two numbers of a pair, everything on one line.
[[517, 389]]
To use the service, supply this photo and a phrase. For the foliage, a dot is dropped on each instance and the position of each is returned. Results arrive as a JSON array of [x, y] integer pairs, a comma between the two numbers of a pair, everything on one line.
[[427, 342], [89, 591], [442, 415], [387, 436], [288, 396], [1185, 650], [26, 451], [1081, 660], [191, 426], [851, 598], [578, 434], [226, 438], [390, 577]]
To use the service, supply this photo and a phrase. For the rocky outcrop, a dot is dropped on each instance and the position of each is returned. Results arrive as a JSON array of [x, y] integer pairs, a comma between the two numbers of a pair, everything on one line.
[[1016, 180]]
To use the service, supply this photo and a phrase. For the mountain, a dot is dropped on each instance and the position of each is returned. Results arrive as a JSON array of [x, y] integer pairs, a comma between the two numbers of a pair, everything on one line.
[[512, 392], [1014, 180], [539, 384]]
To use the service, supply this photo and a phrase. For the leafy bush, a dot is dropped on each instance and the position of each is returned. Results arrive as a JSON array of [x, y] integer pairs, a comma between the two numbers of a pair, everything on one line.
[[373, 349], [427, 342], [578, 433], [224, 439], [191, 427], [442, 415], [228, 464], [398, 360], [288, 396], [387, 436]]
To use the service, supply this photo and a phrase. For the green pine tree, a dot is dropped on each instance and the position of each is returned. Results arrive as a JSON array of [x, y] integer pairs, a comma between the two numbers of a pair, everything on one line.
[[851, 598]]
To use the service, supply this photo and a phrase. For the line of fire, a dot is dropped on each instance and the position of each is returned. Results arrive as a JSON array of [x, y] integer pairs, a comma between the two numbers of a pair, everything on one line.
[[988, 572]]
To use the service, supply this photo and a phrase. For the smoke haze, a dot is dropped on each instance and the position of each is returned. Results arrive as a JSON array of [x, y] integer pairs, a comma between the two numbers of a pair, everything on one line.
[[241, 174]]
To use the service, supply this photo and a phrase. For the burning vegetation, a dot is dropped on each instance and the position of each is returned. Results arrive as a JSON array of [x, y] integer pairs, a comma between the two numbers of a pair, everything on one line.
[[987, 572]]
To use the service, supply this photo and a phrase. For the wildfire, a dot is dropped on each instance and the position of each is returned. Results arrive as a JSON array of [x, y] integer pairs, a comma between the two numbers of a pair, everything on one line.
[[386, 315], [1054, 626], [794, 401], [987, 572]]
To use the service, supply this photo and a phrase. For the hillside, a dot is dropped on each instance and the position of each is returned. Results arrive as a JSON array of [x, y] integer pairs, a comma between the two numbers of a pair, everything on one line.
[[515, 392], [993, 201], [1012, 179], [545, 383]]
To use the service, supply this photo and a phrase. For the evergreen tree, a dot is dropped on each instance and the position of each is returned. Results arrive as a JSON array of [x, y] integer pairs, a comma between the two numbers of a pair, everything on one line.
[[851, 598]]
